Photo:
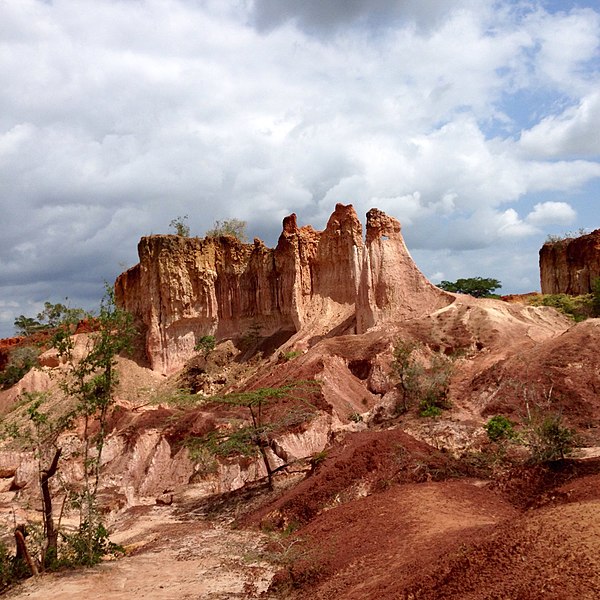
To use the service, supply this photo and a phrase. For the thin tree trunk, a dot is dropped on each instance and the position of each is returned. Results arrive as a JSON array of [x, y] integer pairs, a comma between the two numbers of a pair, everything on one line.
[[51, 532], [22, 552]]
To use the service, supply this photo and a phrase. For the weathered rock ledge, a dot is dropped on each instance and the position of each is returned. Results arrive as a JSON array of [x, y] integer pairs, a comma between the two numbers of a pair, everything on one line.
[[310, 284], [570, 266]]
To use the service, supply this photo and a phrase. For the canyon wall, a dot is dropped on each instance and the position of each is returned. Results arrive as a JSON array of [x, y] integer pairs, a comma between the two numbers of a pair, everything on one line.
[[570, 266], [311, 283]]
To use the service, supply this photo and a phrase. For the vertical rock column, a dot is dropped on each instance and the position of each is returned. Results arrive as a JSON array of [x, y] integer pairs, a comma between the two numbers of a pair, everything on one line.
[[391, 286]]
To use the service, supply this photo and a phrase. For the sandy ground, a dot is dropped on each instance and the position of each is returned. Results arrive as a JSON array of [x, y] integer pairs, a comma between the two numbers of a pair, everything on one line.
[[166, 559]]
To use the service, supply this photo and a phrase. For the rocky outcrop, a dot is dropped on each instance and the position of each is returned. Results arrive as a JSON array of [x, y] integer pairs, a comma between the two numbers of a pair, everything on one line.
[[570, 266], [391, 287], [312, 283]]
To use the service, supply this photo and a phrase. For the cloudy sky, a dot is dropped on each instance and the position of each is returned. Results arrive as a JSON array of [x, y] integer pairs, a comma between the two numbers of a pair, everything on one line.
[[475, 122]]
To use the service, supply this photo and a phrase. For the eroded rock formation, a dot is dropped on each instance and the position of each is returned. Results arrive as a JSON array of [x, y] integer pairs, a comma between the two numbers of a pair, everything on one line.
[[312, 282], [570, 266]]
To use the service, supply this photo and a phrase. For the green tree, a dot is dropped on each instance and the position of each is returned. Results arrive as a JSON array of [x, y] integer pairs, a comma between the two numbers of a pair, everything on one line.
[[180, 226], [253, 439], [91, 381], [27, 326], [230, 227], [480, 287], [52, 316]]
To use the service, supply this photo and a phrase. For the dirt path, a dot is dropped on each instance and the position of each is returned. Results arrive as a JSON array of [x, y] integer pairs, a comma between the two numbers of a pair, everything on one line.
[[166, 559]]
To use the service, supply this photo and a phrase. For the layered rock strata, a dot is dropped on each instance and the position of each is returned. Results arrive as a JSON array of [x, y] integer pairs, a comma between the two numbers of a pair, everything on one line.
[[570, 266], [312, 282]]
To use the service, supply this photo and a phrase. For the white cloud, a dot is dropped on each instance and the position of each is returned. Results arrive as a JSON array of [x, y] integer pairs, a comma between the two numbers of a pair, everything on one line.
[[574, 132], [117, 116], [548, 213]]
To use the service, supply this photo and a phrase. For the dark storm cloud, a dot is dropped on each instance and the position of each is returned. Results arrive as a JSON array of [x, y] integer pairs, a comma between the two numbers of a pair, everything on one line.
[[322, 16]]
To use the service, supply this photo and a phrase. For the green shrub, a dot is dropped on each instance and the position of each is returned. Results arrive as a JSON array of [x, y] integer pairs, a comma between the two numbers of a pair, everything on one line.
[[181, 228], [578, 308], [429, 410], [290, 355], [499, 428], [230, 227], [20, 362], [206, 344], [547, 438], [87, 546], [417, 381]]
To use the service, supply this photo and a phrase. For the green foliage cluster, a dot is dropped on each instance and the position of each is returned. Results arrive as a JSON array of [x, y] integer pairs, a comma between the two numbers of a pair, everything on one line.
[[480, 287], [289, 355], [206, 344], [499, 428], [579, 308], [11, 570], [89, 382], [230, 227], [425, 382], [20, 361], [53, 315], [547, 438], [86, 546], [252, 439], [228, 443], [543, 433], [180, 226]]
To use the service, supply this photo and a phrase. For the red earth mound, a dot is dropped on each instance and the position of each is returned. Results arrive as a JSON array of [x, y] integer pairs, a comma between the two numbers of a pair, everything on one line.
[[454, 539], [362, 463]]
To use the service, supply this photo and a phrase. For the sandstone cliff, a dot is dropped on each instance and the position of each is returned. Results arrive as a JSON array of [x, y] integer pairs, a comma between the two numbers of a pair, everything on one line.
[[310, 284], [570, 266]]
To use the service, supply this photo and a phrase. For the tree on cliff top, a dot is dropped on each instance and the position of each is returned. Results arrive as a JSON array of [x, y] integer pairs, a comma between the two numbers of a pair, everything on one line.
[[53, 315], [479, 287], [230, 227], [181, 228]]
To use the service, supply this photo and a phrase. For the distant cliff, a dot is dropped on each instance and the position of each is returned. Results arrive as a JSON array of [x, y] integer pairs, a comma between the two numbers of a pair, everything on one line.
[[312, 283], [570, 266]]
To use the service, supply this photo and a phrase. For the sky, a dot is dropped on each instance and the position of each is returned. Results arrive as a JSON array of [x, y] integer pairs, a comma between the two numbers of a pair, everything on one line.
[[476, 123]]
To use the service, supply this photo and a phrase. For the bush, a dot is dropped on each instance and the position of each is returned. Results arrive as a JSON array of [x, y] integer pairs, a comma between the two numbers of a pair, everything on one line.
[[429, 410], [548, 439], [417, 381], [206, 344], [287, 356], [578, 308], [20, 362], [499, 429], [87, 546], [181, 228], [230, 227]]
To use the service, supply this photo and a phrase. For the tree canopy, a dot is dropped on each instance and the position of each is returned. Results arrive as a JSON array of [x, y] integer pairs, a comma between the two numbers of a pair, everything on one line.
[[52, 316], [480, 287]]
